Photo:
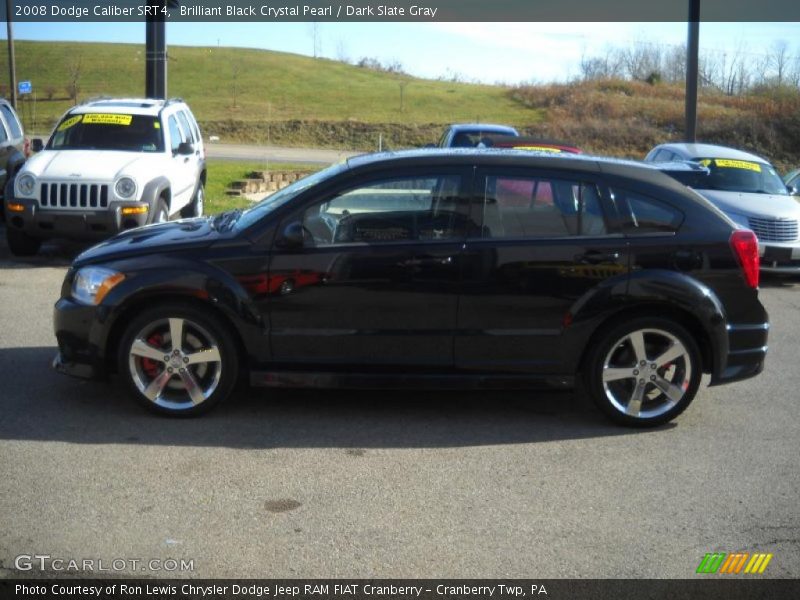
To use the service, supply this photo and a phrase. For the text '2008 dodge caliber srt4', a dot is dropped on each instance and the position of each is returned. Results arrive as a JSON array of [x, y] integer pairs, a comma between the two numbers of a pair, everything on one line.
[[434, 268]]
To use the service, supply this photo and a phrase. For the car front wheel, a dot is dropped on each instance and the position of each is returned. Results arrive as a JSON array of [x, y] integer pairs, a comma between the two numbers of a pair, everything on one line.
[[179, 361], [644, 372]]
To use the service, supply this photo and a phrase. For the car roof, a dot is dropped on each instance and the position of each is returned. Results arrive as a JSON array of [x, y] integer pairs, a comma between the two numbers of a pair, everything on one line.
[[710, 151], [640, 171], [457, 127], [134, 106]]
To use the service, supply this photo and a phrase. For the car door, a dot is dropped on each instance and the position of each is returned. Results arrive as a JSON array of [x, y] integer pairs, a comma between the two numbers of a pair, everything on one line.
[[182, 175], [192, 134], [6, 150], [542, 246], [375, 283]]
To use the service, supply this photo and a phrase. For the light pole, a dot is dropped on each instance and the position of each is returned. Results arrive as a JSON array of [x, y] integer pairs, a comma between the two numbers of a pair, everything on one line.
[[692, 51], [12, 65]]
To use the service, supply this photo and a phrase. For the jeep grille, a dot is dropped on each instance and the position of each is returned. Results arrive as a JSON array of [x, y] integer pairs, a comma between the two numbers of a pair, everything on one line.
[[73, 195], [774, 230]]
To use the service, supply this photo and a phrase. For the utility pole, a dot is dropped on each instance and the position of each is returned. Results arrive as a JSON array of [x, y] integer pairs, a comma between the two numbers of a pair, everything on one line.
[[156, 50], [12, 64], [692, 52]]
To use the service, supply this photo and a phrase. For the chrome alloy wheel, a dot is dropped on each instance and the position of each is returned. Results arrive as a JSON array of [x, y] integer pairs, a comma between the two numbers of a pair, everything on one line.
[[175, 363], [646, 373]]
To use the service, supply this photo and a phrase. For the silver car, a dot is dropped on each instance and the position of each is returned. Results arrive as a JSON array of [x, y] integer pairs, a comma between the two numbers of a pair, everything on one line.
[[749, 190]]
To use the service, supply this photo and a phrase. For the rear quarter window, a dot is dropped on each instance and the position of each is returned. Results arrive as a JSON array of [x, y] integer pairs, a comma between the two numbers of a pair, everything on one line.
[[639, 213]]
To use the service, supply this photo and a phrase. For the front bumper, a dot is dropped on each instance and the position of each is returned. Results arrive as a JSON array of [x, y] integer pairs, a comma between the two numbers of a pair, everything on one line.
[[779, 258], [80, 224], [81, 338]]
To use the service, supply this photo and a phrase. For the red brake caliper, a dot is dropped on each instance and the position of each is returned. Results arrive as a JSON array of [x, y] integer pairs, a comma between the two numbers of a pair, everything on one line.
[[150, 366]]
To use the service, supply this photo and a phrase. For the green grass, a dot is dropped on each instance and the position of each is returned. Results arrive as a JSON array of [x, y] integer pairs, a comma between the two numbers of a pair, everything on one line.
[[222, 173], [270, 86]]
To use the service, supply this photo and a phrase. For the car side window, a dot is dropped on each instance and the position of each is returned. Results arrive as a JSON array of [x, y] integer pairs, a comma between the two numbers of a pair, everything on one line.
[[664, 156], [175, 134], [641, 214], [186, 127], [389, 210], [13, 122], [3, 134], [530, 207]]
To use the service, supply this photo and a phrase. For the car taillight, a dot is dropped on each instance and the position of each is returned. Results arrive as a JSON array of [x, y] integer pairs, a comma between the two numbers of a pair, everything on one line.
[[745, 246]]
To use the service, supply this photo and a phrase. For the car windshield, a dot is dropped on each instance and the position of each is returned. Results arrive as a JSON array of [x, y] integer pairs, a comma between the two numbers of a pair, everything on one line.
[[108, 131], [730, 175], [281, 197]]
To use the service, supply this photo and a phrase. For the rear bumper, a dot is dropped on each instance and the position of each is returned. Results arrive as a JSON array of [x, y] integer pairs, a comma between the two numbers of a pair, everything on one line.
[[747, 351], [75, 224]]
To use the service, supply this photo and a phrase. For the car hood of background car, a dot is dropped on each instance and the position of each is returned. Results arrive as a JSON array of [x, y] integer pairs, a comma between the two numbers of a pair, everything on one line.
[[152, 239], [89, 165], [754, 205]]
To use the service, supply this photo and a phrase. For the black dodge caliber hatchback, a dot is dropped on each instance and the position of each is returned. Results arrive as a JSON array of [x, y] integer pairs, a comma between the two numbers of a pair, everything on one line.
[[440, 269]]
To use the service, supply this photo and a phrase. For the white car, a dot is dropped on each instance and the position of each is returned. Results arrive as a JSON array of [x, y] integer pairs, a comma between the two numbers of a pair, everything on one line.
[[109, 165], [750, 192]]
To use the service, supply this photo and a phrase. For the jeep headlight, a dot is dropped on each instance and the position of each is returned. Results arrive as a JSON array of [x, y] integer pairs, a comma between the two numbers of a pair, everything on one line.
[[91, 284], [25, 184], [125, 187]]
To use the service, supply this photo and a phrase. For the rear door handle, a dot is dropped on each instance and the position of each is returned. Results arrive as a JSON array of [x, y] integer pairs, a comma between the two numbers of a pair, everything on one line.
[[593, 257], [427, 261]]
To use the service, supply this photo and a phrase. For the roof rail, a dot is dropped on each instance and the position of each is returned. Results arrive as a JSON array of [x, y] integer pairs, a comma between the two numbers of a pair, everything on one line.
[[173, 101], [94, 99]]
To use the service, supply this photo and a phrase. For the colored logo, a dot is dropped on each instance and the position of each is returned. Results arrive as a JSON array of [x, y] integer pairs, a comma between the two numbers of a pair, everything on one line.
[[734, 563]]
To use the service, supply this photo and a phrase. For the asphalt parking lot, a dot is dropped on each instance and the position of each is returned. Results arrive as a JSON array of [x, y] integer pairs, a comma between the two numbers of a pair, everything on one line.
[[343, 484]]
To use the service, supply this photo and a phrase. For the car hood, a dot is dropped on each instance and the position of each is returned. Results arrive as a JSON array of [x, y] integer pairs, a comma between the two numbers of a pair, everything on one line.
[[88, 165], [156, 238], [754, 205]]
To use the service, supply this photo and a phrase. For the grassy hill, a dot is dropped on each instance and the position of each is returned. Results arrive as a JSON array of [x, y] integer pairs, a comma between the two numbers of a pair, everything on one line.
[[233, 85], [267, 97]]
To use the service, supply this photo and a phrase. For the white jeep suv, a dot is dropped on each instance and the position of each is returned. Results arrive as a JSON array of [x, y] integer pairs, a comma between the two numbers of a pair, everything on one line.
[[109, 165]]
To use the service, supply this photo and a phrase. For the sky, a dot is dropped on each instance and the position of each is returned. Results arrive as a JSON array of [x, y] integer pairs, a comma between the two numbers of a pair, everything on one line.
[[488, 52]]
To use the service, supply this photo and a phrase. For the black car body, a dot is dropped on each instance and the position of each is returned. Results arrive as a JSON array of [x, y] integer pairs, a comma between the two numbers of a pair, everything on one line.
[[476, 268]]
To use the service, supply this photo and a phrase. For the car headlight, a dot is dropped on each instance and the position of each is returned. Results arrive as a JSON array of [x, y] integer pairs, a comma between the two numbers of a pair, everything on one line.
[[740, 220], [25, 184], [91, 284], [125, 187]]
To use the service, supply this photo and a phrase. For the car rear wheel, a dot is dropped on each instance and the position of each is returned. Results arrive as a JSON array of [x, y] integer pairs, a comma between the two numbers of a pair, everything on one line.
[[20, 243], [644, 372], [179, 361], [196, 207]]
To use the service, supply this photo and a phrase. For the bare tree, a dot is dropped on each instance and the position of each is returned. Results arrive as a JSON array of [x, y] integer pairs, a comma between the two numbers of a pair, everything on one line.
[[314, 32], [779, 60], [73, 87], [341, 52]]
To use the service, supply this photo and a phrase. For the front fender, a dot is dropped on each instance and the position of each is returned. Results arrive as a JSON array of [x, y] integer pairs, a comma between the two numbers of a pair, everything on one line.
[[183, 280]]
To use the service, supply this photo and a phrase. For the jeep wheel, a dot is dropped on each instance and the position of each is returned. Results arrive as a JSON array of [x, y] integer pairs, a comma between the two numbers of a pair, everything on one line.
[[197, 205], [160, 214], [179, 360], [20, 243], [644, 372]]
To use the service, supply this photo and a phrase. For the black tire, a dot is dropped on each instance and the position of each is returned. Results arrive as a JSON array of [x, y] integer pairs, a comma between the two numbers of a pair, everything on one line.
[[638, 395], [160, 212], [8, 196], [158, 376], [20, 243], [197, 205]]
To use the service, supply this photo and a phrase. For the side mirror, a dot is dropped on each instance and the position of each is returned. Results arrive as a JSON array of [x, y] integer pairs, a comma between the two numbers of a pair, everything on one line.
[[793, 190], [185, 149], [293, 236], [37, 145]]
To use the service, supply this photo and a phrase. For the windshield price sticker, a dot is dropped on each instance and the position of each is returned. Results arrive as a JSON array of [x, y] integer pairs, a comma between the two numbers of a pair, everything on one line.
[[70, 122], [738, 164], [107, 119]]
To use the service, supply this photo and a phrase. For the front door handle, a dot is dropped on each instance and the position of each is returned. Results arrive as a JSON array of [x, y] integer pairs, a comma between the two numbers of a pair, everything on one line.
[[594, 257]]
